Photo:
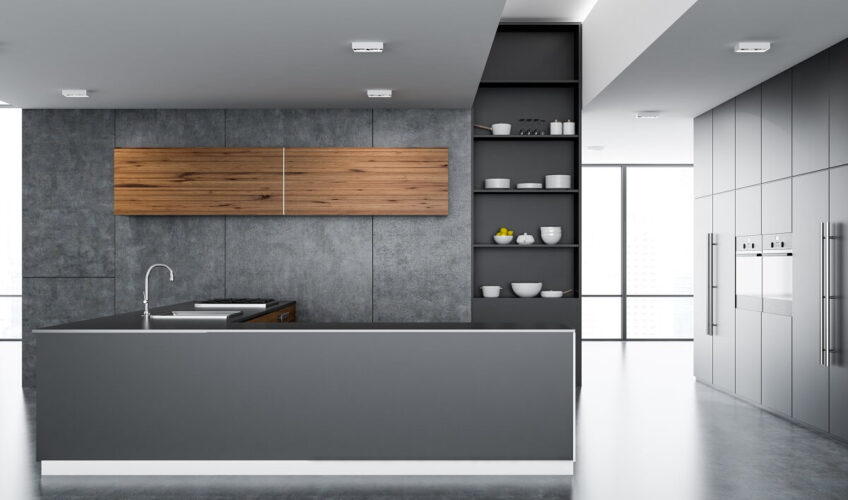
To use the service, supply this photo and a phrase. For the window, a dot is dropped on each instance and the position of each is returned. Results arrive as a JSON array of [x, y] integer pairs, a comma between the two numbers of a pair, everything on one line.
[[10, 224], [637, 252]]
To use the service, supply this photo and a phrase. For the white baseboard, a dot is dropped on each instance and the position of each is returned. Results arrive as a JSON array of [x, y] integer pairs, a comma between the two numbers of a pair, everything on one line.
[[307, 468]]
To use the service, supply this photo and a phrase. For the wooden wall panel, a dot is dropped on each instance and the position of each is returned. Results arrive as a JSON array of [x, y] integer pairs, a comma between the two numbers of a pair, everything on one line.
[[198, 181], [366, 181]]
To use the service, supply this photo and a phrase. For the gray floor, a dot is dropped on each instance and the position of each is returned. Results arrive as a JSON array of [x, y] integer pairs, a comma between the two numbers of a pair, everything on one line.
[[646, 430]]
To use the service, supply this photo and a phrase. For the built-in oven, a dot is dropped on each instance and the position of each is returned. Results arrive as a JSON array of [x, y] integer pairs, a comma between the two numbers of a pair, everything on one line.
[[777, 274], [749, 273]]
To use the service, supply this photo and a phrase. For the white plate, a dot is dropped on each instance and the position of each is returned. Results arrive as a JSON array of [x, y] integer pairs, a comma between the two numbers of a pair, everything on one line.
[[529, 185]]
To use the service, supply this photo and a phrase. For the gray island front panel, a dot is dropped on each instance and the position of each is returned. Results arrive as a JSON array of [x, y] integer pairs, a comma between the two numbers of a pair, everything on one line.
[[306, 395]]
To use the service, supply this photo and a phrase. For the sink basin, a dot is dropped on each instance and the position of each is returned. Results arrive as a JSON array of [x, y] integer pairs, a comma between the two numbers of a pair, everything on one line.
[[197, 314]]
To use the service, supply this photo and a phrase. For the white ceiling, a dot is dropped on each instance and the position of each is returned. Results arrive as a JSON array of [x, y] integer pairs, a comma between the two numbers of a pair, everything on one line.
[[692, 67], [259, 53], [547, 10]]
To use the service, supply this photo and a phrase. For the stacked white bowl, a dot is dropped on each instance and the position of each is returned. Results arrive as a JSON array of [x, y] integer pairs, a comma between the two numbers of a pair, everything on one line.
[[551, 234]]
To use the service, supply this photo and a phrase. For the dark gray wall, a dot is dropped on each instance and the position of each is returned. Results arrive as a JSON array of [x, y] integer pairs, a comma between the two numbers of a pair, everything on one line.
[[82, 261]]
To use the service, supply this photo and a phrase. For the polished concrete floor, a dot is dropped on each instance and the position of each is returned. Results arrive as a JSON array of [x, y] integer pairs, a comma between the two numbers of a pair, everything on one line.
[[645, 430]]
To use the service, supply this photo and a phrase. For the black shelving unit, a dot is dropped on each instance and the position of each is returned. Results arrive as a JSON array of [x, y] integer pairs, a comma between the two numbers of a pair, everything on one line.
[[533, 71]]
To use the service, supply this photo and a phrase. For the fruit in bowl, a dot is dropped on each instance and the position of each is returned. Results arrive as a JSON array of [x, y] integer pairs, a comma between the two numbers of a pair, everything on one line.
[[503, 236]]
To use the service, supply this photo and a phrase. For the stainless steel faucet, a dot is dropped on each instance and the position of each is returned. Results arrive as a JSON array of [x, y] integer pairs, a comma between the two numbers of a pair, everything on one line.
[[147, 286]]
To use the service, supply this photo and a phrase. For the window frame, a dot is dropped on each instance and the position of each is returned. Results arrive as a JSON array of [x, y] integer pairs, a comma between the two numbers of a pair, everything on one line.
[[623, 168]]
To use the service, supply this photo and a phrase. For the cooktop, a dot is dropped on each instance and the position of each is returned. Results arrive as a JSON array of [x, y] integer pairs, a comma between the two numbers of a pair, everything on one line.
[[235, 303]]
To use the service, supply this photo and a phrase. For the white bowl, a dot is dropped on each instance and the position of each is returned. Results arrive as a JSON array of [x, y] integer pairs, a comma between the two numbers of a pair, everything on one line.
[[503, 240], [526, 290], [497, 184], [551, 229], [551, 239], [552, 294], [501, 128], [528, 185], [558, 182], [491, 291]]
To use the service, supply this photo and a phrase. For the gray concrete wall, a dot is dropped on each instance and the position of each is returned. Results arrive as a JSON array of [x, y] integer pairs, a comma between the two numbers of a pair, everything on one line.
[[82, 261]]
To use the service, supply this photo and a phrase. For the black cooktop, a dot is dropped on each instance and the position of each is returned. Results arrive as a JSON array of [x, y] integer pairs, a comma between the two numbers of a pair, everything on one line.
[[237, 301]]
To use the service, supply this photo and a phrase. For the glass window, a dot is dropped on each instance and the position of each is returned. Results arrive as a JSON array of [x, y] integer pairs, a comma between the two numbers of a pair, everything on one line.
[[602, 245], [660, 317], [601, 318], [660, 218], [10, 223]]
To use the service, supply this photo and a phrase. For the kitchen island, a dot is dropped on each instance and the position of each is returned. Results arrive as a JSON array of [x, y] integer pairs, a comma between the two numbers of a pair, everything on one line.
[[129, 395]]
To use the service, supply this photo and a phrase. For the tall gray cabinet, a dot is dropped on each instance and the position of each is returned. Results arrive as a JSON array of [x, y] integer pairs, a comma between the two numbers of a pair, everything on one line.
[[774, 161]]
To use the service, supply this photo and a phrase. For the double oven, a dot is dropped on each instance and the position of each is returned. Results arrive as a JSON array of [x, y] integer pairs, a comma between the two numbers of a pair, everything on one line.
[[764, 273]]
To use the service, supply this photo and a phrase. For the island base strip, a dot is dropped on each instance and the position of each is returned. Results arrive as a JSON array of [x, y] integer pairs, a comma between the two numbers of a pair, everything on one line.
[[307, 467]]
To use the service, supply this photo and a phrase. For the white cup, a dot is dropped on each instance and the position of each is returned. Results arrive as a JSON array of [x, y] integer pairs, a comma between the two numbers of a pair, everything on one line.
[[491, 291], [557, 182]]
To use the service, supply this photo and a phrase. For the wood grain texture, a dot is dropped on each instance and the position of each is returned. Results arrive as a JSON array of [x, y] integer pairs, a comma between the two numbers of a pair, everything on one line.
[[366, 181], [198, 181]]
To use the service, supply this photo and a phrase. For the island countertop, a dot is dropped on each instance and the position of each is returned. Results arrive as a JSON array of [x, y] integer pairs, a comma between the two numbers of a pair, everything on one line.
[[135, 322]]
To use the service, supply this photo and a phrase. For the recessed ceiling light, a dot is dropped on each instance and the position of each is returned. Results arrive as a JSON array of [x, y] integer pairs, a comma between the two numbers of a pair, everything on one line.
[[647, 115], [367, 47], [379, 93], [751, 47], [75, 92]]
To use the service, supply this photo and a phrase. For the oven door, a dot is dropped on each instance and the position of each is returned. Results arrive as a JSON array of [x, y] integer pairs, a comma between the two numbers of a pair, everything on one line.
[[777, 282], [749, 278]]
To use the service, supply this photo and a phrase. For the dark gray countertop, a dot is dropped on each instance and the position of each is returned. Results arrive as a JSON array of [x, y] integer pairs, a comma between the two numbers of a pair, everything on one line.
[[134, 322]]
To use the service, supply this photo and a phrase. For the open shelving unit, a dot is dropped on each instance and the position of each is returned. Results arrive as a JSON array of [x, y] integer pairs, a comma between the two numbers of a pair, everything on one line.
[[533, 71]]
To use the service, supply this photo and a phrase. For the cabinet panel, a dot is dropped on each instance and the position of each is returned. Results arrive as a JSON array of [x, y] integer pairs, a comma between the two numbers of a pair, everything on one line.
[[748, 354], [703, 341], [838, 83], [777, 127], [724, 332], [839, 308], [198, 181], [810, 134], [366, 181], [724, 147], [777, 362], [809, 376], [748, 138], [748, 211], [704, 154], [777, 207]]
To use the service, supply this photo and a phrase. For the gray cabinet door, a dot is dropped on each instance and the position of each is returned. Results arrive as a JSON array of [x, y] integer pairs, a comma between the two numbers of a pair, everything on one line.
[[748, 354], [703, 339], [748, 211], [748, 138], [809, 376], [777, 207], [777, 362], [777, 127], [724, 332], [724, 147], [838, 82], [839, 307], [704, 154], [810, 134]]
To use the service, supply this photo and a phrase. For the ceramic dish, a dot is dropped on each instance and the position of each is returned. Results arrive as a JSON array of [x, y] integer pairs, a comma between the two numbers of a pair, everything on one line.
[[529, 185], [526, 290], [552, 294], [496, 184], [501, 239]]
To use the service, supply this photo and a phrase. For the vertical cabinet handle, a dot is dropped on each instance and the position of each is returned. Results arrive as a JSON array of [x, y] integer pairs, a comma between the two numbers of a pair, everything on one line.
[[824, 293], [827, 290], [710, 287]]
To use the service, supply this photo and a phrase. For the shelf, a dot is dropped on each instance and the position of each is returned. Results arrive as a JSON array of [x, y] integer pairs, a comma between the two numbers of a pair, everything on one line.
[[526, 247], [526, 191], [529, 83], [482, 137]]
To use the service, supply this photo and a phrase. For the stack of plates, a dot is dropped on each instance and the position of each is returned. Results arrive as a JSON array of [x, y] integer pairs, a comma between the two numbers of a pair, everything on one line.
[[529, 185]]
